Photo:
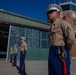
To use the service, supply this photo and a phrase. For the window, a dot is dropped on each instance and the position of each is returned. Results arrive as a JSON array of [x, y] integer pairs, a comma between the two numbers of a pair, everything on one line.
[[66, 7], [74, 22], [14, 30], [21, 31], [29, 32], [13, 40], [18, 41], [29, 42], [34, 38], [36, 43], [73, 7], [63, 1], [44, 39], [45, 44], [44, 35], [74, 1]]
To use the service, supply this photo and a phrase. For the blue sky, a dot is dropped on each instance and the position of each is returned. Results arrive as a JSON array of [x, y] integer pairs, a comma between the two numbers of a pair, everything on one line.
[[35, 9]]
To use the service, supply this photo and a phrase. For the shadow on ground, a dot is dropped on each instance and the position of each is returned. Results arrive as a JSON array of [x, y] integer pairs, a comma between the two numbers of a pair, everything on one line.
[[18, 68]]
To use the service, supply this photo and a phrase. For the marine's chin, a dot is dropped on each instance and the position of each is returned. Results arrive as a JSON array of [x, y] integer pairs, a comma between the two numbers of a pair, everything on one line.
[[51, 20]]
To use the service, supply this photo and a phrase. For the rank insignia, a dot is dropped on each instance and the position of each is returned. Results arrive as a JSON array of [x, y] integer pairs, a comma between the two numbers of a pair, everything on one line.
[[68, 29]]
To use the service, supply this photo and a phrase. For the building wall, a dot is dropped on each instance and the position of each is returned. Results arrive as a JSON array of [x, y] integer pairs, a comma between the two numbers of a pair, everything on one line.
[[37, 42], [35, 32]]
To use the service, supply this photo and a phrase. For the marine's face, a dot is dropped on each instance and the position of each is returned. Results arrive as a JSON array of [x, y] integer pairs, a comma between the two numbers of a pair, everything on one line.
[[22, 40], [14, 45], [52, 15]]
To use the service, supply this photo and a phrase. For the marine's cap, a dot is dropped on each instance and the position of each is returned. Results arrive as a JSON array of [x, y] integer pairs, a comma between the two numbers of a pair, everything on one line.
[[54, 7], [22, 38]]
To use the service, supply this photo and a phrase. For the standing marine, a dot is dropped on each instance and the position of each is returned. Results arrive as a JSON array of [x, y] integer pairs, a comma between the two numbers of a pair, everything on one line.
[[61, 40], [11, 55], [15, 55], [22, 56]]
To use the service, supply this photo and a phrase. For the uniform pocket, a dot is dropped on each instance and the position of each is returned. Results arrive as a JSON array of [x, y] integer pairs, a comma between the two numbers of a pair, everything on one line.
[[57, 30]]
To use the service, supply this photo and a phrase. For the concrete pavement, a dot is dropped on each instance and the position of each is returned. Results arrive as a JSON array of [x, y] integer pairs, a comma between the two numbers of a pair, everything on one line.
[[7, 69], [73, 67], [32, 68]]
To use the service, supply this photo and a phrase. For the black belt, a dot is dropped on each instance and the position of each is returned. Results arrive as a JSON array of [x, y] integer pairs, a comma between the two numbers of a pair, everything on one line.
[[22, 51], [54, 47]]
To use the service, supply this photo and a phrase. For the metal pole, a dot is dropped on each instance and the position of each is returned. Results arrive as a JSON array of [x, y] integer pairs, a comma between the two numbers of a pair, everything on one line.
[[71, 1], [54, 1], [59, 1]]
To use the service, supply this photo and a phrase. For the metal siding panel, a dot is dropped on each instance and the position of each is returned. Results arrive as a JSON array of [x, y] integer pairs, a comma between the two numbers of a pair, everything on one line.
[[12, 18], [37, 54], [23, 21], [26, 21], [33, 54], [5, 16], [1, 15], [73, 7], [34, 23], [18, 20]]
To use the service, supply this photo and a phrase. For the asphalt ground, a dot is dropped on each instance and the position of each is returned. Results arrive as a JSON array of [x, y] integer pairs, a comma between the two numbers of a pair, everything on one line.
[[32, 68]]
